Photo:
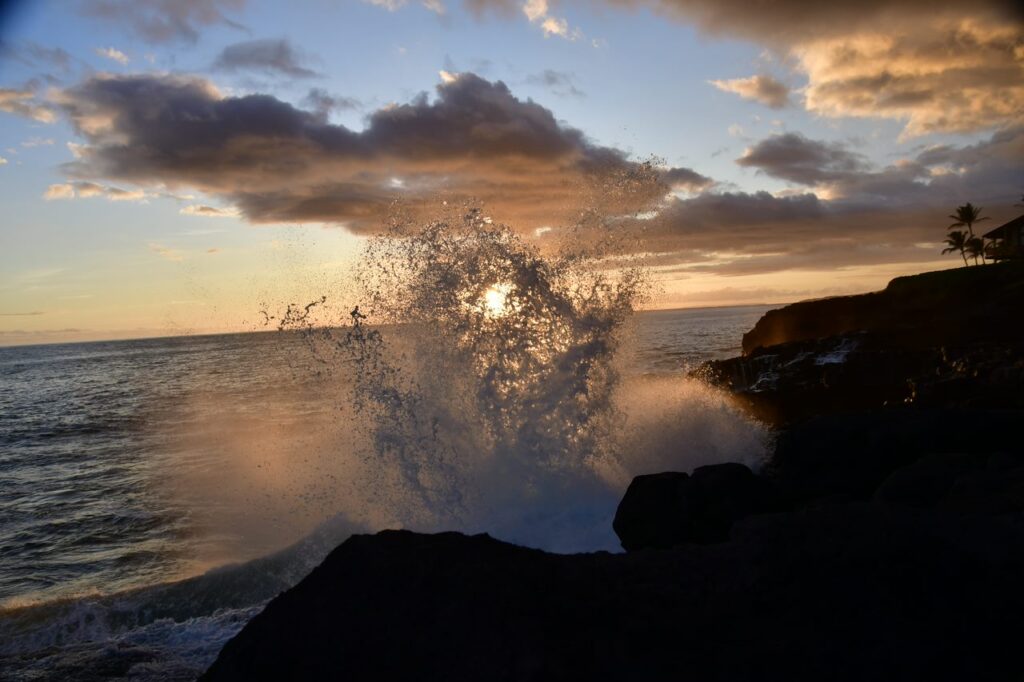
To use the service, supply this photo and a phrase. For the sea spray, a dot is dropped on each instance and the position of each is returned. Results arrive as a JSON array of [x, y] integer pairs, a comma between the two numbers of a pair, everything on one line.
[[479, 380], [483, 376]]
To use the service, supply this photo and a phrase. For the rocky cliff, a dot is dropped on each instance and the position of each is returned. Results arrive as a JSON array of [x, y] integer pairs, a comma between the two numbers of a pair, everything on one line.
[[953, 339]]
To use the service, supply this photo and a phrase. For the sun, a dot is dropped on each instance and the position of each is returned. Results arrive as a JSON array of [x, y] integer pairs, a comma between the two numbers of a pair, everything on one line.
[[495, 300]]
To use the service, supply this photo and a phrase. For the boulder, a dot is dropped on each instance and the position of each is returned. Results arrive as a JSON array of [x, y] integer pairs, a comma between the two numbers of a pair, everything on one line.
[[671, 509]]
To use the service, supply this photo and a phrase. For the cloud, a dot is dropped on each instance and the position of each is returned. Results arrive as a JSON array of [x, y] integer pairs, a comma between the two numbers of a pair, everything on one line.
[[33, 54], [687, 179], [537, 12], [389, 5], [784, 22], [324, 103], [37, 142], [87, 190], [793, 157], [278, 163], [763, 89], [164, 21], [559, 82], [944, 66], [118, 194], [21, 103], [957, 78], [60, 191], [208, 211], [3, 161], [435, 6], [113, 54], [276, 57], [167, 253], [895, 214]]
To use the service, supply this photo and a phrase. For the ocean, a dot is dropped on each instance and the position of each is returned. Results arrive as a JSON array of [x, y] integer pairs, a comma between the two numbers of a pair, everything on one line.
[[155, 493]]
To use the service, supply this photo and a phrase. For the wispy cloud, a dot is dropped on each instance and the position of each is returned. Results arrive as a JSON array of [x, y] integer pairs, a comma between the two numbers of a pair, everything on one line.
[[275, 57], [22, 103], [59, 191], [760, 88], [164, 21], [113, 54], [167, 253], [559, 82], [86, 190], [538, 12], [436, 6], [208, 211]]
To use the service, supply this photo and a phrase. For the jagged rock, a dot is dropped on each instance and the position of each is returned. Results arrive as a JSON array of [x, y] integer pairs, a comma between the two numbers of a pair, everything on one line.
[[852, 454], [851, 592], [963, 483], [953, 338], [670, 509]]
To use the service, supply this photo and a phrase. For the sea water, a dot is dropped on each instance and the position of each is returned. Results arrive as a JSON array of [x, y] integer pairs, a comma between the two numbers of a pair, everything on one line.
[[154, 493]]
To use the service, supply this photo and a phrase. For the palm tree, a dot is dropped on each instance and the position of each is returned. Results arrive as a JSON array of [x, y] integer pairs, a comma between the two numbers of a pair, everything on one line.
[[957, 240], [975, 247], [966, 216]]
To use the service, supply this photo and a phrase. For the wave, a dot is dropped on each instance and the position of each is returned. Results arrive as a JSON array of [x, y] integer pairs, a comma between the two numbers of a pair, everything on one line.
[[480, 387]]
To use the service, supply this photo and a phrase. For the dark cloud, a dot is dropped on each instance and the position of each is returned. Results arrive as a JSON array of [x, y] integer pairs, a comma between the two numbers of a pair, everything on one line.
[[793, 157], [558, 82], [760, 88], [895, 214], [324, 103], [165, 21], [280, 163], [276, 57], [686, 179], [33, 54]]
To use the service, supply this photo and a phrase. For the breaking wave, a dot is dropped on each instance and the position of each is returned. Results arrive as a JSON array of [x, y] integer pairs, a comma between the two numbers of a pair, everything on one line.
[[477, 381], [486, 386]]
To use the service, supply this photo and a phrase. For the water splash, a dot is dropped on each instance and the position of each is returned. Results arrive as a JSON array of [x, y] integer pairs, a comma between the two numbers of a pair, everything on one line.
[[484, 377]]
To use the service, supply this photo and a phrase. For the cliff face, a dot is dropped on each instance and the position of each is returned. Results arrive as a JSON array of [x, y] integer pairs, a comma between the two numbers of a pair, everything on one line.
[[948, 307], [951, 339]]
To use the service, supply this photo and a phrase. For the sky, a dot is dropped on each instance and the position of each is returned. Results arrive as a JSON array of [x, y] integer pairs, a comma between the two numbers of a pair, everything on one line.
[[171, 167]]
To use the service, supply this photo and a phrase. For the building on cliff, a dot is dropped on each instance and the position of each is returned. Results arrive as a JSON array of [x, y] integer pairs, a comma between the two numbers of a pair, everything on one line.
[[1006, 242]]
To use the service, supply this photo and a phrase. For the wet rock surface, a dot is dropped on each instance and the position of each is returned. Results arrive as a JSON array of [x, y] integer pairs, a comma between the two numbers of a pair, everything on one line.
[[849, 592]]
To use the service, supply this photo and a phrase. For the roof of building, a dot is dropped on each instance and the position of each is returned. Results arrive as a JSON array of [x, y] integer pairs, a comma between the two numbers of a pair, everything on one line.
[[1000, 232]]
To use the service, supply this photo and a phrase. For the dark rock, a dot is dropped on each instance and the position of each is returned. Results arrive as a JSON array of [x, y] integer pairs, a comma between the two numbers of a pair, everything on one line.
[[964, 483], [853, 592], [852, 454], [945, 308], [670, 509], [953, 338], [794, 381]]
